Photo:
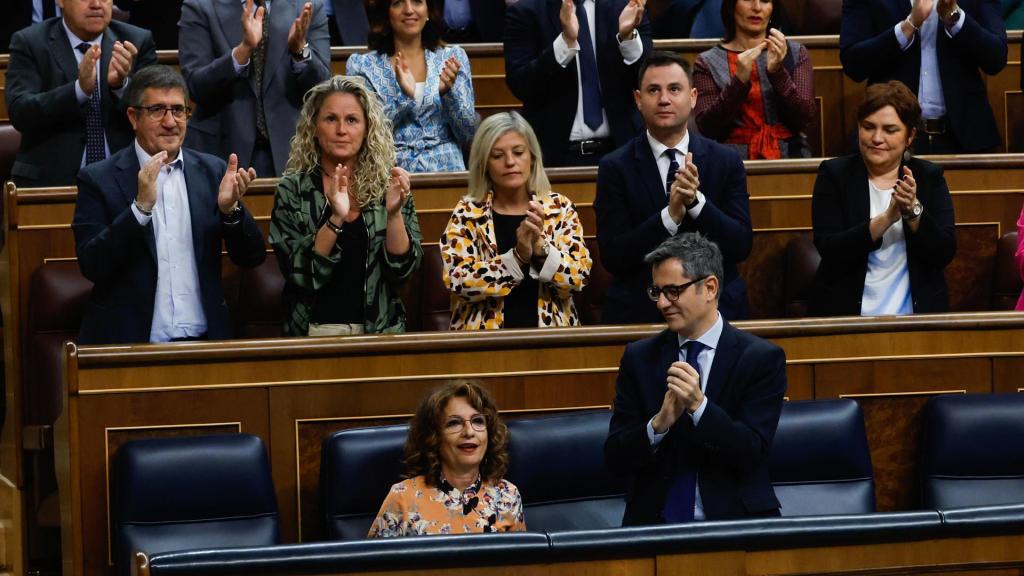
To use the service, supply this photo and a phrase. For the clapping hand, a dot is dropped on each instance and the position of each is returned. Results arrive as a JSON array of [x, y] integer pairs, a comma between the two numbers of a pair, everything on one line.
[[398, 190], [121, 63], [904, 193], [406, 81], [746, 61], [337, 195], [535, 214], [297, 33], [87, 69], [252, 32], [777, 49], [570, 24], [683, 191], [147, 194], [448, 75], [233, 185], [630, 17]]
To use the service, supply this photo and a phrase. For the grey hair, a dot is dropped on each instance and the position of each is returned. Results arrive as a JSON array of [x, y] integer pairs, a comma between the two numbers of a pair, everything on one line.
[[492, 128], [699, 256], [154, 76]]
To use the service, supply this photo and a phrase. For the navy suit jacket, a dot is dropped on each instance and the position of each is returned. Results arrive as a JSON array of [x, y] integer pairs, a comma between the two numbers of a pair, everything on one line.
[[630, 196], [352, 21], [869, 51], [841, 215], [119, 256], [549, 92], [730, 446], [44, 108]]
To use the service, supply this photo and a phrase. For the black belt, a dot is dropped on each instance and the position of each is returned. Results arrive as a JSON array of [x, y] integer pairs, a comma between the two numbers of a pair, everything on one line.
[[935, 125], [590, 147]]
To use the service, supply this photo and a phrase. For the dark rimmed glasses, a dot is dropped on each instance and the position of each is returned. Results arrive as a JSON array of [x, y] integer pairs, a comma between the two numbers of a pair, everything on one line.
[[454, 424], [157, 111], [672, 292]]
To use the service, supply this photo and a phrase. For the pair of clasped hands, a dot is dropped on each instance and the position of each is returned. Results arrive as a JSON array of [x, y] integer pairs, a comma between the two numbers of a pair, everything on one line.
[[120, 67], [775, 43], [630, 17], [922, 9], [232, 186], [252, 31], [341, 201]]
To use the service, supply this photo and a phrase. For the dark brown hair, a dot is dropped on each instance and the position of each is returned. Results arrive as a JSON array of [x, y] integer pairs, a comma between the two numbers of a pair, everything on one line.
[[659, 58], [382, 38], [892, 93], [422, 446]]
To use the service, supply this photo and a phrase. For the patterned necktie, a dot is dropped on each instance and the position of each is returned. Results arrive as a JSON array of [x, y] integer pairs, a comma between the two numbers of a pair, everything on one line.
[[94, 148], [591, 87], [681, 497], [673, 167], [259, 60]]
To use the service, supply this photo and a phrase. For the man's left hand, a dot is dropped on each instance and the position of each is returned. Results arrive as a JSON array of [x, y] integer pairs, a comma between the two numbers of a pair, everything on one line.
[[945, 8], [684, 380], [630, 18], [233, 185], [297, 33], [121, 63]]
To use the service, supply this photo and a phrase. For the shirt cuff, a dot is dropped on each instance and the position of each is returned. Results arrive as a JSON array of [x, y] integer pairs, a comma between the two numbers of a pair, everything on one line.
[[299, 65], [512, 265], [694, 212], [80, 94], [563, 53], [951, 32], [670, 226], [633, 48], [699, 411], [119, 92], [903, 41], [551, 263], [239, 68], [653, 437], [141, 218]]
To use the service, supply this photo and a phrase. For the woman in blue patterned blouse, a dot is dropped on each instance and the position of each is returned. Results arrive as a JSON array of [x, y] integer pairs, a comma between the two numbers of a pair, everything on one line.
[[424, 85]]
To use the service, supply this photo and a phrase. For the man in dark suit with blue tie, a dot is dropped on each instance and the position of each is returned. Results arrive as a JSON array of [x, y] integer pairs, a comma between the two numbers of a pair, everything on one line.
[[571, 63], [667, 181], [938, 48], [696, 406], [149, 224]]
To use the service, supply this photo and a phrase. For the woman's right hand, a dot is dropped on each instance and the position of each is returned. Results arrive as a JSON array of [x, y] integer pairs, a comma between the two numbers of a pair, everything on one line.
[[406, 81], [526, 236], [746, 61], [337, 195]]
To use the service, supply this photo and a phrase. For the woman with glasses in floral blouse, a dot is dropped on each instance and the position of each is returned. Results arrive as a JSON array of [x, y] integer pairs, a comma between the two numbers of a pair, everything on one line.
[[456, 455]]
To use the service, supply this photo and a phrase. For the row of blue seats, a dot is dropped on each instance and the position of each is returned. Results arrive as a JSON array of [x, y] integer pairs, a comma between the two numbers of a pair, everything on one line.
[[209, 492]]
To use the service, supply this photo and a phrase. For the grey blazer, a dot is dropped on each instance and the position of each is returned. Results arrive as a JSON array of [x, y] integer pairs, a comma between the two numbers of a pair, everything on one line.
[[224, 120]]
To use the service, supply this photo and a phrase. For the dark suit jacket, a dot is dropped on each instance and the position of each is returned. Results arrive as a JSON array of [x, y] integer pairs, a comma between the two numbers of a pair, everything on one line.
[[488, 19], [549, 92], [869, 50], [119, 256], [630, 196], [18, 16], [353, 24], [840, 215], [224, 120], [729, 447], [43, 107]]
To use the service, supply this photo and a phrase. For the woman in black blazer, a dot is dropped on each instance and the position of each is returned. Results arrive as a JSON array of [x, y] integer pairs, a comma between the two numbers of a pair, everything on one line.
[[883, 221]]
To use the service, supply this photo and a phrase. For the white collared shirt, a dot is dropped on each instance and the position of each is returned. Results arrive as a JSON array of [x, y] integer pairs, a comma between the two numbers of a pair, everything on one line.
[[80, 94], [929, 88], [681, 148], [177, 307], [631, 51], [705, 359]]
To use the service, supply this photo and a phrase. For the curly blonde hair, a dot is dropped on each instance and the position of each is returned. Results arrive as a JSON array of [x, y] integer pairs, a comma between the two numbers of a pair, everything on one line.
[[377, 155]]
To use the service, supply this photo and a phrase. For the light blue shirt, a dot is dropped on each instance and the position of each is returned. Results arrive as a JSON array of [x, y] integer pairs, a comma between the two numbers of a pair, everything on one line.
[[705, 359], [929, 89], [80, 94], [457, 14], [177, 307]]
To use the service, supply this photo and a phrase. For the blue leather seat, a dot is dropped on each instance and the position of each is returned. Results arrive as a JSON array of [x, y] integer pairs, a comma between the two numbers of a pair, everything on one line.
[[191, 492], [820, 463], [972, 450], [557, 462]]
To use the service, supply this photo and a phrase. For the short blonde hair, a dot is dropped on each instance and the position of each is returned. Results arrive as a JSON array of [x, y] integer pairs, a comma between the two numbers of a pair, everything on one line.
[[492, 128]]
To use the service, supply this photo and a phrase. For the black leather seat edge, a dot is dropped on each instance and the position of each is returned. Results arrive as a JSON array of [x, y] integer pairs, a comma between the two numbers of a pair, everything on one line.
[[980, 520]]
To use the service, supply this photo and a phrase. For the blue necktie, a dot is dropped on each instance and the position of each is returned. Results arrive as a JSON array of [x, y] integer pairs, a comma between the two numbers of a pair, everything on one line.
[[94, 148], [673, 167], [681, 497], [591, 87]]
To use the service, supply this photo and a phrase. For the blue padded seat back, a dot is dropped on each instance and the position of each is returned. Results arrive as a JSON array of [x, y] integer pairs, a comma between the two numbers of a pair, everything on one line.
[[972, 450], [191, 492], [357, 468], [820, 462], [557, 462]]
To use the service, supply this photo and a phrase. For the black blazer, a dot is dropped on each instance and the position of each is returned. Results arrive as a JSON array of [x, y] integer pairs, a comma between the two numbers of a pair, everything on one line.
[[869, 50], [630, 196], [41, 100], [840, 216], [549, 92], [730, 446], [119, 256]]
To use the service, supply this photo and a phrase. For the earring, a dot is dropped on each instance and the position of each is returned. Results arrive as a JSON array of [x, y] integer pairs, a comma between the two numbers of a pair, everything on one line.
[[906, 154]]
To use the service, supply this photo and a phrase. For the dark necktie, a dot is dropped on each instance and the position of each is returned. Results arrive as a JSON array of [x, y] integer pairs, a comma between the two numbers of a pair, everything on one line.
[[673, 167], [94, 149], [681, 497], [259, 60], [591, 85]]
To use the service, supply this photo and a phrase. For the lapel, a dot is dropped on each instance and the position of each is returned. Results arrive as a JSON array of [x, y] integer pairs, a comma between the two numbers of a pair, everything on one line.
[[858, 195], [647, 174], [282, 14], [228, 14], [107, 50], [724, 363], [62, 51], [668, 352], [199, 193], [126, 175]]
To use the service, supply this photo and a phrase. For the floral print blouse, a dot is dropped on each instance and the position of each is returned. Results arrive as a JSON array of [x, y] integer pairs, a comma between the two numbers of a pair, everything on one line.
[[414, 509]]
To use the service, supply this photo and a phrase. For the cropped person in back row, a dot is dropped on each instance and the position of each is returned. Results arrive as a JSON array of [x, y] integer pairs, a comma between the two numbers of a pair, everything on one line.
[[456, 455], [883, 221], [513, 249]]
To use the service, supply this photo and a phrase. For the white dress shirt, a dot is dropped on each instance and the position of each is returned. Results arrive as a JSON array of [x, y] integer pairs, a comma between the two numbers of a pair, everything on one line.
[[178, 307], [682, 148], [705, 359], [929, 89], [887, 282], [631, 51]]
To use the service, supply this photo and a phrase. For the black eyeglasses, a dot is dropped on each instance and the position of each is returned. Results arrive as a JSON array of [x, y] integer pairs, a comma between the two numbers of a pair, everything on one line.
[[157, 111], [454, 424], [672, 292]]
